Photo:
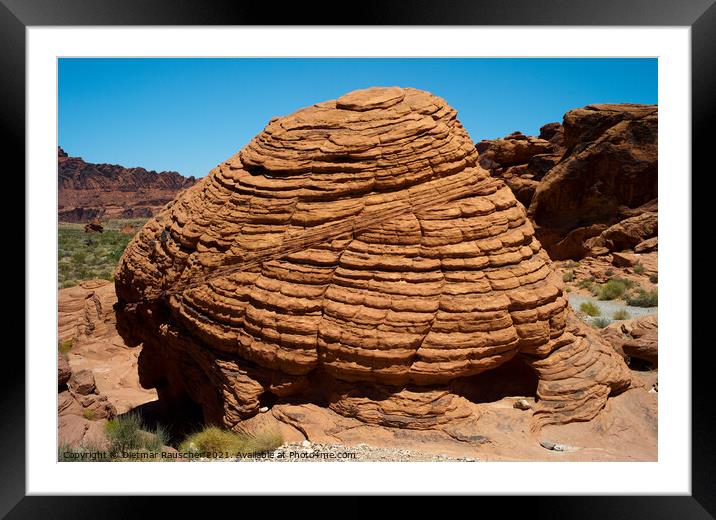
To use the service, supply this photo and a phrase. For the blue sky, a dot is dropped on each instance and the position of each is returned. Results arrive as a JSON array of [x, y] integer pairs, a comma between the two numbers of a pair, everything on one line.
[[189, 115]]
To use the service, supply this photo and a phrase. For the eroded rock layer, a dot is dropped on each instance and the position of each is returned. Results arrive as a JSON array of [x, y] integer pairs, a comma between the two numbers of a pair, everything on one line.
[[354, 248]]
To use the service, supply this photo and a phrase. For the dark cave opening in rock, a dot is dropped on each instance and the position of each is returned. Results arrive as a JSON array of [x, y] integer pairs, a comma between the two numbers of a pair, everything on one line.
[[514, 378]]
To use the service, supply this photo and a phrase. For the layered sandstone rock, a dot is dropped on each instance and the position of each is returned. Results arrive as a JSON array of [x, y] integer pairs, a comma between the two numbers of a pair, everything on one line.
[[87, 321], [602, 194], [354, 254], [88, 191]]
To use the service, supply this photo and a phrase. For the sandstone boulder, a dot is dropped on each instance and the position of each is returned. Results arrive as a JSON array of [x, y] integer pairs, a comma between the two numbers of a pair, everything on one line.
[[82, 383], [552, 132], [81, 409], [94, 226], [63, 370], [637, 338], [647, 246], [355, 254]]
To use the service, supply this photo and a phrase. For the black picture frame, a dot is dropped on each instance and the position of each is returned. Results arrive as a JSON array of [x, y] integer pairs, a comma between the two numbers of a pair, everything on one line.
[[699, 15]]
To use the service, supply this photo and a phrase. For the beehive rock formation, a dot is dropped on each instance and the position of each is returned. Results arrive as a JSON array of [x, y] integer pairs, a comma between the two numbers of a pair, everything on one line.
[[354, 254]]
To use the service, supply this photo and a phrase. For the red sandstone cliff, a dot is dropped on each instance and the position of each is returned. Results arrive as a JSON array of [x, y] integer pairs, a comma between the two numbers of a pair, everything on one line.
[[87, 190]]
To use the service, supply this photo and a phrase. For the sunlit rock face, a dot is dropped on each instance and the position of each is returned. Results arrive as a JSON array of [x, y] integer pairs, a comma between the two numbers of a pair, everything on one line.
[[354, 254]]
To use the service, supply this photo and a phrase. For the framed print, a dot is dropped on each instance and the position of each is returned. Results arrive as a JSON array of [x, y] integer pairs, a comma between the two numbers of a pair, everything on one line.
[[416, 254]]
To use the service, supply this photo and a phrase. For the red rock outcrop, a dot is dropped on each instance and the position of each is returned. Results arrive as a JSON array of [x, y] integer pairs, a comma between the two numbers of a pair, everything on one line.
[[86, 318], [636, 338], [590, 183], [87, 191], [80, 407], [354, 254], [521, 160], [94, 226], [602, 194]]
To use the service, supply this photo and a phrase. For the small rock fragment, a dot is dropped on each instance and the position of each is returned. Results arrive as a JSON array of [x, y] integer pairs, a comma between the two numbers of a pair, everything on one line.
[[522, 404], [548, 445]]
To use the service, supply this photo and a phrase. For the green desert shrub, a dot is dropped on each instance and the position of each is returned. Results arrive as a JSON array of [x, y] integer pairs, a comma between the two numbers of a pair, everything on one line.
[[621, 314], [590, 309], [216, 440], [128, 433], [81, 256], [88, 414], [611, 290], [154, 442], [65, 346], [568, 276], [587, 283], [643, 298], [638, 268], [124, 432], [600, 323]]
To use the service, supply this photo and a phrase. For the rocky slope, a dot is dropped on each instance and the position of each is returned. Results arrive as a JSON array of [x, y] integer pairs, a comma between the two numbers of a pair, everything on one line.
[[522, 161], [87, 191], [590, 185], [356, 256], [81, 409], [87, 322]]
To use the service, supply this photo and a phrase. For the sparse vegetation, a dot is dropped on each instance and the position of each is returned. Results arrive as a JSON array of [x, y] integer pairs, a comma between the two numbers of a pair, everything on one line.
[[568, 276], [124, 432], [215, 440], [609, 272], [88, 414], [128, 441], [611, 290], [128, 433], [600, 323], [570, 264], [567, 289], [643, 298], [654, 278], [621, 314], [83, 256], [590, 309], [638, 268], [65, 346], [587, 283]]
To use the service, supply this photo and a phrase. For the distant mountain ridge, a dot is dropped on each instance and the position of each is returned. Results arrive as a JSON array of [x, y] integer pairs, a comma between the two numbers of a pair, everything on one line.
[[88, 190]]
